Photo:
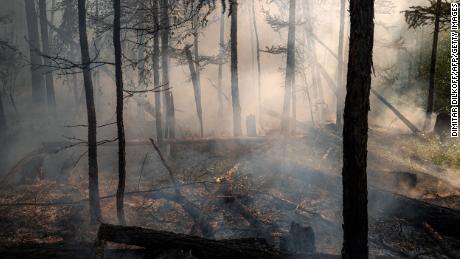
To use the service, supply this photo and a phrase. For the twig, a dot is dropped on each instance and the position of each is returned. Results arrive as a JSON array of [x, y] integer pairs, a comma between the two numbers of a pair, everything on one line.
[[165, 164]]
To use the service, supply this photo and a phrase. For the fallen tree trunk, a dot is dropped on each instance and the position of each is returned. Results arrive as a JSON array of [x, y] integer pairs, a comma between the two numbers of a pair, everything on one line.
[[396, 112], [200, 247], [444, 220], [197, 246]]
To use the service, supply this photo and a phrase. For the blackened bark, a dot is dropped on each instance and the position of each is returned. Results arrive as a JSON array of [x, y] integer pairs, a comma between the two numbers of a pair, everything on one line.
[[434, 53], [259, 79], [340, 63], [164, 21], [156, 74], [38, 84], [234, 70], [119, 111], [220, 109], [355, 130], [46, 51], [2, 116], [290, 69], [196, 86], [95, 209]]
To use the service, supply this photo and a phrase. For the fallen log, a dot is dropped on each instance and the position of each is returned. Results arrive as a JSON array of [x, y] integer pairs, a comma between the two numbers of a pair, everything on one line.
[[197, 246], [445, 220], [398, 114]]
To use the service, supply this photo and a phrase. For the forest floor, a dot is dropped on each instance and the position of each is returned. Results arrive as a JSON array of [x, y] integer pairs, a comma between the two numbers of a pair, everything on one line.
[[274, 181]]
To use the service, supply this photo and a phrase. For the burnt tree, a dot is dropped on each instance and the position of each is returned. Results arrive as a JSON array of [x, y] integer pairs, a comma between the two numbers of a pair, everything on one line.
[[355, 130], [259, 79], [196, 86], [434, 52], [340, 63], [38, 87], [95, 209], [220, 109], [234, 70], [119, 111], [290, 70], [156, 73], [169, 131], [46, 51]]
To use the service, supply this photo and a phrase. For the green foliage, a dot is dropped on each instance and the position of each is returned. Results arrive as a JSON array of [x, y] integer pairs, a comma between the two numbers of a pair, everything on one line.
[[442, 153], [418, 16], [442, 76]]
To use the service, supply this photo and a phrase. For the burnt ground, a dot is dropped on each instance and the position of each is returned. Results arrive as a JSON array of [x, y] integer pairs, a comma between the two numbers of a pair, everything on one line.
[[274, 182]]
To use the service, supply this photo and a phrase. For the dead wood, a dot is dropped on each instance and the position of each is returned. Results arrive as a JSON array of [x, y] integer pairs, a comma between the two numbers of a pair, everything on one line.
[[398, 114], [440, 240], [199, 247]]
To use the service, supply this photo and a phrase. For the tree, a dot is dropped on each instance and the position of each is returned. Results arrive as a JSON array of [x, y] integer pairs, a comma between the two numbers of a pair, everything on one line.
[[234, 69], [438, 14], [220, 109], [46, 51], [197, 83], [196, 86], [95, 209], [355, 130], [38, 87], [290, 70], [119, 111], [164, 22], [340, 65], [259, 75], [156, 73]]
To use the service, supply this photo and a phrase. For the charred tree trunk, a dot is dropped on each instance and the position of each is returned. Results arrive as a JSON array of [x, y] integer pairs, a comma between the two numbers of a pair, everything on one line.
[[196, 86], [2, 116], [290, 70], [234, 69], [95, 210], [119, 111], [355, 130], [340, 63], [164, 21], [434, 53], [201, 247], [38, 86], [46, 51], [220, 109], [156, 74], [259, 79]]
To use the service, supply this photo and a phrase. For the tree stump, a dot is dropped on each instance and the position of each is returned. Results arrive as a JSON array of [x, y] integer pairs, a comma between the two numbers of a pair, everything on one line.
[[442, 124], [251, 126], [300, 240]]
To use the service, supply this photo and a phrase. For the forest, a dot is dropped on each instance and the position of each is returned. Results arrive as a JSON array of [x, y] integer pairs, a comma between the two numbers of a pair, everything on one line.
[[177, 129]]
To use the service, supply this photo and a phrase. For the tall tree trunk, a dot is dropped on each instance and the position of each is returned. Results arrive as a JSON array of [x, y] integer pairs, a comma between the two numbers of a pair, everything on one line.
[[2, 116], [141, 72], [293, 121], [355, 130], [197, 84], [164, 21], [119, 110], [340, 63], [234, 70], [290, 69], [156, 74], [434, 52], [259, 79], [38, 86], [220, 109], [46, 51], [95, 209]]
